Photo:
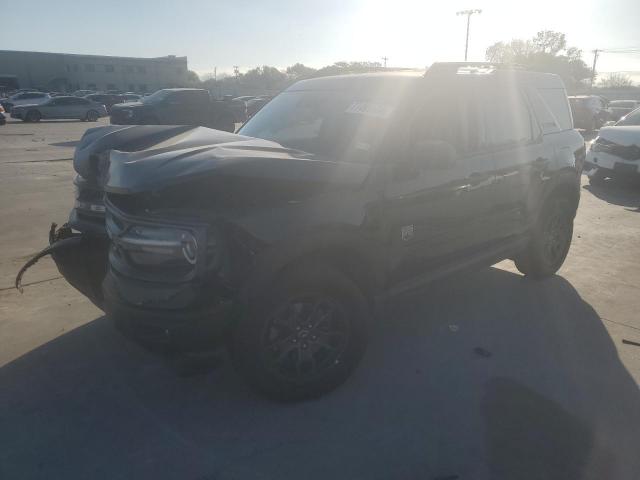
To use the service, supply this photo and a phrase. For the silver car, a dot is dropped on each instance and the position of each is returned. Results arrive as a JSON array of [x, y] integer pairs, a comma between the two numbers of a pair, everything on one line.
[[60, 107]]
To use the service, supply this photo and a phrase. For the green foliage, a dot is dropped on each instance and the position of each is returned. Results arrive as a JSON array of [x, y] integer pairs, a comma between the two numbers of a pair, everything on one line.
[[616, 80], [546, 52]]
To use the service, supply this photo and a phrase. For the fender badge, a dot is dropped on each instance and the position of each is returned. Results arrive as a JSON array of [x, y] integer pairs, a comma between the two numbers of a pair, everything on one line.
[[407, 232]]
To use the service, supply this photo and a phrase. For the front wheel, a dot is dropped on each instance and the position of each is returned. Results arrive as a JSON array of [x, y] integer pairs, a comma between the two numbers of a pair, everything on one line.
[[304, 336], [33, 116], [550, 240], [92, 116]]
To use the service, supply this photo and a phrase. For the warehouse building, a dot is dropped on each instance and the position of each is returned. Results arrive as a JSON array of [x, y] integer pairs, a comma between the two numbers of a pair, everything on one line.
[[66, 72]]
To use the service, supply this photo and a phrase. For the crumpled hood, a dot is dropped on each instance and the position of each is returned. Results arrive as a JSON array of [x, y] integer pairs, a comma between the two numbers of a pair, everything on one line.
[[97, 140], [621, 135], [196, 152]]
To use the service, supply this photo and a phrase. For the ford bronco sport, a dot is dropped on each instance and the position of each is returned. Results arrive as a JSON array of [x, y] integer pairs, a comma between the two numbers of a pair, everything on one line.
[[279, 240]]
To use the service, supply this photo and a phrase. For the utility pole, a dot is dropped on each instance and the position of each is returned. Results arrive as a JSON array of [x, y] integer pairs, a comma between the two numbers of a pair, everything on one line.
[[385, 61], [468, 13], [596, 52], [215, 74], [236, 71]]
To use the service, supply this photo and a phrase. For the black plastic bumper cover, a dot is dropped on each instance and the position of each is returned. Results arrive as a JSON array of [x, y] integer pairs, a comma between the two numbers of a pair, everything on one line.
[[81, 259]]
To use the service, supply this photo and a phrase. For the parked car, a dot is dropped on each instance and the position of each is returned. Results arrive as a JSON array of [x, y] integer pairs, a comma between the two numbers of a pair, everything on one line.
[[59, 108], [590, 112], [3, 118], [82, 93], [341, 191], [23, 99], [620, 108], [255, 104], [632, 118], [106, 99], [615, 152], [131, 97], [175, 106], [238, 107]]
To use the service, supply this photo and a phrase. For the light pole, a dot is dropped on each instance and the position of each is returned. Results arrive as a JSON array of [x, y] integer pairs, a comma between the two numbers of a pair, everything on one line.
[[468, 13]]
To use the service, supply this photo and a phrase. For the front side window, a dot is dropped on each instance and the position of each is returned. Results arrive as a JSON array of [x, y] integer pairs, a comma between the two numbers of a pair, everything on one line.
[[508, 117]]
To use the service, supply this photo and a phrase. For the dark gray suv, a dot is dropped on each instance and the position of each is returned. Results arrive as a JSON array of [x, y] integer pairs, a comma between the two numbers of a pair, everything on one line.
[[280, 240]]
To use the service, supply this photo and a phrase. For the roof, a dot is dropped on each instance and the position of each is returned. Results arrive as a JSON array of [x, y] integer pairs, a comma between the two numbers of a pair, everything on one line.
[[357, 80]]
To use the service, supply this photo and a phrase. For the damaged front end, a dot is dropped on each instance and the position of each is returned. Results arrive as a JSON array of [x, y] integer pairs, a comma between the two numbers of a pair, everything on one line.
[[81, 259]]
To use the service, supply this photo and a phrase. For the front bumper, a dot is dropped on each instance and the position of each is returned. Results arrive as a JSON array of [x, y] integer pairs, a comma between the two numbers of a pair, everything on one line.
[[196, 328], [610, 164]]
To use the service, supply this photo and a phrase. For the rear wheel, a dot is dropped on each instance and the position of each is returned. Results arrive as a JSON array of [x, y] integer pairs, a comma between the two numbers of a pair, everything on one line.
[[304, 336], [33, 116], [550, 240], [92, 116]]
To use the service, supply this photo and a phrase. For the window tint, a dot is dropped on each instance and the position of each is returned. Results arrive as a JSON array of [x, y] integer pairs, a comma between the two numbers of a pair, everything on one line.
[[79, 101], [555, 100], [443, 118], [508, 117]]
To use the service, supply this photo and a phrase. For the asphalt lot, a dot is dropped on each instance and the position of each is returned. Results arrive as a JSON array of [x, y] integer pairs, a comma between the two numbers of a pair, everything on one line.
[[486, 375]]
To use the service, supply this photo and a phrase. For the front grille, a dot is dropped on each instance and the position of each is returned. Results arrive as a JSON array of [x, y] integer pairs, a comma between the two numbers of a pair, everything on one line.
[[626, 152]]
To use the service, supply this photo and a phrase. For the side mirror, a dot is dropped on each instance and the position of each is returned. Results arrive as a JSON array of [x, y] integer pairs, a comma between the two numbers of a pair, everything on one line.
[[433, 154]]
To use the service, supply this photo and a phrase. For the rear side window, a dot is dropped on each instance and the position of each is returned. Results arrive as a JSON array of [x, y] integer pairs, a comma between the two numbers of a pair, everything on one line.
[[555, 101], [508, 117]]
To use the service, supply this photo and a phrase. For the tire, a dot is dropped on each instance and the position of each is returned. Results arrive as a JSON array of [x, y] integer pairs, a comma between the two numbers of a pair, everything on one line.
[[92, 116], [597, 179], [304, 336], [550, 240], [32, 116]]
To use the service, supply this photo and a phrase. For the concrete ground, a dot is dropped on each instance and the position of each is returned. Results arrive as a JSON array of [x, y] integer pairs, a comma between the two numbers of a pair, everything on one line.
[[485, 376]]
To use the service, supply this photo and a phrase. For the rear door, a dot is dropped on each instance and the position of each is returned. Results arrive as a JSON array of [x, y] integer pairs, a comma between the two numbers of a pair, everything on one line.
[[520, 157], [77, 108], [438, 212]]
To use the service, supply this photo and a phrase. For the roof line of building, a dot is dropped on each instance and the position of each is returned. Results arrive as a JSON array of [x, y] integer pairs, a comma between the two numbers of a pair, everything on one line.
[[115, 57]]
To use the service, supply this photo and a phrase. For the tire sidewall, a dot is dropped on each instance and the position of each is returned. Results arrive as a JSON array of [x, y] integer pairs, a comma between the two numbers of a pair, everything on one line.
[[246, 339], [553, 203], [33, 116], [92, 116]]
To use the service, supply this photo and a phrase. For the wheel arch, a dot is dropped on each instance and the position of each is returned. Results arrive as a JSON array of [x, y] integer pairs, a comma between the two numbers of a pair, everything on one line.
[[348, 253]]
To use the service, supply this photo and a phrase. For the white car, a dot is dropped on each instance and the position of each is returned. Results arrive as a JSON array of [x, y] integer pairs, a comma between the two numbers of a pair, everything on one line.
[[24, 98], [615, 152]]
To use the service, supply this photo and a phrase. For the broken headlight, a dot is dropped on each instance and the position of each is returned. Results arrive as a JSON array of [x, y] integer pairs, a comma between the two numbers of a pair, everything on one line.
[[157, 246]]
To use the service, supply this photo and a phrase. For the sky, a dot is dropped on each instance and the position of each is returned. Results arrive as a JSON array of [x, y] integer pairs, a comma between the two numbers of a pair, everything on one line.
[[411, 33]]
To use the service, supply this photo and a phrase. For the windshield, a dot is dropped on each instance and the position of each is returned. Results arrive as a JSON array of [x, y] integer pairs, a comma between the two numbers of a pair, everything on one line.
[[156, 97], [622, 104], [328, 123], [632, 118]]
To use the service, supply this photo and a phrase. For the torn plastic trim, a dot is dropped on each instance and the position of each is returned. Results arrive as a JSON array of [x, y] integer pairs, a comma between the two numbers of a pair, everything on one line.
[[59, 239]]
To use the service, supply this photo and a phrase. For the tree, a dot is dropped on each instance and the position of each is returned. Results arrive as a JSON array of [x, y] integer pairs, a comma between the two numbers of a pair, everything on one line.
[[616, 80], [192, 78], [299, 71], [340, 68], [546, 52]]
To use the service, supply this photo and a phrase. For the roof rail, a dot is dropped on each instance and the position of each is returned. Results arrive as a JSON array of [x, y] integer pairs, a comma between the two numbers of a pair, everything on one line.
[[471, 67]]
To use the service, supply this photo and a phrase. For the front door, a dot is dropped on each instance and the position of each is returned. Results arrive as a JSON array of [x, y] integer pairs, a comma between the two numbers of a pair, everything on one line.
[[438, 196]]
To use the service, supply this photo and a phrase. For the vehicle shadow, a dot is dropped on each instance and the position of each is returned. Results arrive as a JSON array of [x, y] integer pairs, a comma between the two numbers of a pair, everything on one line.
[[624, 194], [72, 143], [485, 376]]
